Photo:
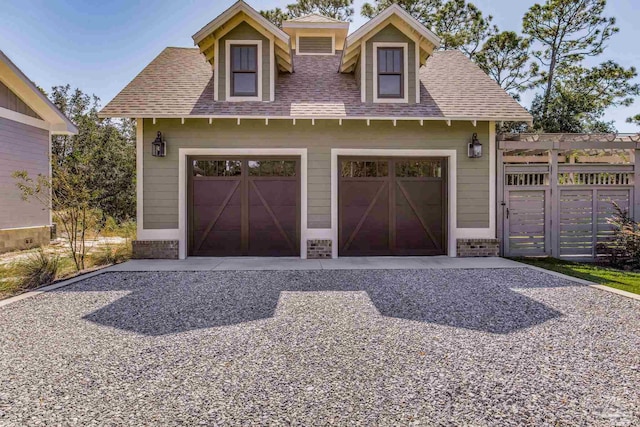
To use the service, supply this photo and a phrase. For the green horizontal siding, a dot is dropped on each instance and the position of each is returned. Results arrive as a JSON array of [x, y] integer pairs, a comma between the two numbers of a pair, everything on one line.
[[161, 174]]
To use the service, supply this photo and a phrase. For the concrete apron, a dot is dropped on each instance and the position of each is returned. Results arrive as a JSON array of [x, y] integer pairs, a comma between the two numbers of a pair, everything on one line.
[[265, 264], [346, 263]]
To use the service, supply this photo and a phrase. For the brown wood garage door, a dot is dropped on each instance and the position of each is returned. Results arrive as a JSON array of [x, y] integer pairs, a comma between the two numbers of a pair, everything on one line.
[[392, 206], [244, 206]]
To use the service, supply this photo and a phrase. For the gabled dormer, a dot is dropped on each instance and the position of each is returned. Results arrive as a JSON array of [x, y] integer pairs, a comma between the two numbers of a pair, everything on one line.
[[385, 56], [316, 34], [246, 52]]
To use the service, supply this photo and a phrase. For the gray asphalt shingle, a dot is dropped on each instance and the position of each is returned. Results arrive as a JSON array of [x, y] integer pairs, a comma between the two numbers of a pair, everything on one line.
[[179, 83]]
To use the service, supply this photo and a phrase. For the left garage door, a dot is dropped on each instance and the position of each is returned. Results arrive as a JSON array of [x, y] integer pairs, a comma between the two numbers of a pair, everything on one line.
[[244, 206]]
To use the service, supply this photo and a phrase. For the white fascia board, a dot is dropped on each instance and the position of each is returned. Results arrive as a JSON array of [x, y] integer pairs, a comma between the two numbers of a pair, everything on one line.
[[239, 6], [19, 83], [317, 25], [386, 14], [317, 117]]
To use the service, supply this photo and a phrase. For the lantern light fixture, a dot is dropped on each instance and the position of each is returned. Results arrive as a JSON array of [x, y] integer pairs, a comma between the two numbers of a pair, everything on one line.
[[159, 146], [475, 147]]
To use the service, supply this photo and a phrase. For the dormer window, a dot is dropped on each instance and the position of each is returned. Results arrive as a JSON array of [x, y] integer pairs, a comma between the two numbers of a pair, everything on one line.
[[391, 72], [244, 70]]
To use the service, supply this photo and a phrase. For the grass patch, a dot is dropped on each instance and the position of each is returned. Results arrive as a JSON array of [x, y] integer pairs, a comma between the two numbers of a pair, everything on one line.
[[624, 280]]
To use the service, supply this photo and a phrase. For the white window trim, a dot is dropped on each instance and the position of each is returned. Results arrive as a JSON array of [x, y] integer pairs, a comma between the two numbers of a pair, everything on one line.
[[182, 186], [452, 185], [227, 53], [405, 55], [333, 44]]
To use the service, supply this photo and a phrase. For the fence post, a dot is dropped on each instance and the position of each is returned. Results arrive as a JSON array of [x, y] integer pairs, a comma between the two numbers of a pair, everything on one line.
[[555, 197], [500, 199], [636, 182]]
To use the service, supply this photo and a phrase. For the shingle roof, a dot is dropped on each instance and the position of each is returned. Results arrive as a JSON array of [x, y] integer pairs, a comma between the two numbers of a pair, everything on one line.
[[314, 17], [179, 83]]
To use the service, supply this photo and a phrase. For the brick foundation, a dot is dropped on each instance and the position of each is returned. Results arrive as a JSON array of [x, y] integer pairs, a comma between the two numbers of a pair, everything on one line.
[[318, 249], [155, 249], [468, 248], [16, 239]]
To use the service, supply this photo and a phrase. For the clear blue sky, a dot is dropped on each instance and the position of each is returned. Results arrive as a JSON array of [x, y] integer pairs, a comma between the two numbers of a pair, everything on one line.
[[99, 46]]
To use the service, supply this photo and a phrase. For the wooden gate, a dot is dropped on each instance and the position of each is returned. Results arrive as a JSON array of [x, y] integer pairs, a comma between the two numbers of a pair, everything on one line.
[[556, 202]]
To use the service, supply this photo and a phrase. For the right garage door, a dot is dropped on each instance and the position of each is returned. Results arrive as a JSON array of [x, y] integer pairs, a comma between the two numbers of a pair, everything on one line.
[[392, 206]]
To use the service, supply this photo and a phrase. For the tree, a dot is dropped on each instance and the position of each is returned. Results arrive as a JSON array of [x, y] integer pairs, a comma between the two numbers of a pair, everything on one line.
[[71, 203], [505, 57], [336, 9], [423, 10], [581, 95], [275, 16], [635, 119], [106, 146], [93, 173], [565, 32], [460, 25]]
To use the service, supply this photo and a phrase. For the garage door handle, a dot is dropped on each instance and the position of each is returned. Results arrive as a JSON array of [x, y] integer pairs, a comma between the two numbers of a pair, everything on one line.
[[507, 213]]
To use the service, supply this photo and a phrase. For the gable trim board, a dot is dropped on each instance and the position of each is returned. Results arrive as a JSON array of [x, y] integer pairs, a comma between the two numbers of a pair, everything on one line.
[[238, 7], [399, 18], [26, 90], [240, 12], [394, 9]]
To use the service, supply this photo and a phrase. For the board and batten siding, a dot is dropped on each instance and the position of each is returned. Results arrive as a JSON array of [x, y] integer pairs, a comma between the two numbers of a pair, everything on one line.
[[22, 147], [244, 31], [11, 101], [160, 179], [391, 34]]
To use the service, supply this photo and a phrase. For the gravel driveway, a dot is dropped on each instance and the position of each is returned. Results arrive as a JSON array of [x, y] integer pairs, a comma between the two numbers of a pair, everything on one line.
[[410, 347]]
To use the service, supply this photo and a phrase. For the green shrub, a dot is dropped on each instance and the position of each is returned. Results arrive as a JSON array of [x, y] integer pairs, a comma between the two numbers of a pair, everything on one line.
[[113, 228], [624, 250], [38, 269]]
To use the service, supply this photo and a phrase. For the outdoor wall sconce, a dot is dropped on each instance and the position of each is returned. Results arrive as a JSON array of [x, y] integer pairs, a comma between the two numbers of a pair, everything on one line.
[[159, 147], [475, 148]]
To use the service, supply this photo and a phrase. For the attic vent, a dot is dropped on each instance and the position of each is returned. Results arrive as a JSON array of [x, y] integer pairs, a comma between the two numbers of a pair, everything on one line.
[[315, 46]]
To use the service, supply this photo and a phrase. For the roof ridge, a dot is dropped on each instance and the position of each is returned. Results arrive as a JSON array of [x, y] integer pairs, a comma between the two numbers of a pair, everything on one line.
[[299, 18]]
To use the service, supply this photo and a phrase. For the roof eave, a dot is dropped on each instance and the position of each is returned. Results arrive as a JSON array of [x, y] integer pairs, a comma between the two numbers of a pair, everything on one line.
[[239, 6], [513, 118], [386, 14], [56, 118]]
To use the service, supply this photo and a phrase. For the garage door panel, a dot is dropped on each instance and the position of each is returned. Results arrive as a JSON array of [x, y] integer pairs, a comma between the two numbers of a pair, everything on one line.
[[409, 218], [244, 207], [276, 193], [361, 229]]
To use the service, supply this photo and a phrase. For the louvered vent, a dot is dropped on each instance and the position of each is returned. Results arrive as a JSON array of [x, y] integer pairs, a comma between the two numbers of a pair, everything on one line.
[[315, 45]]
